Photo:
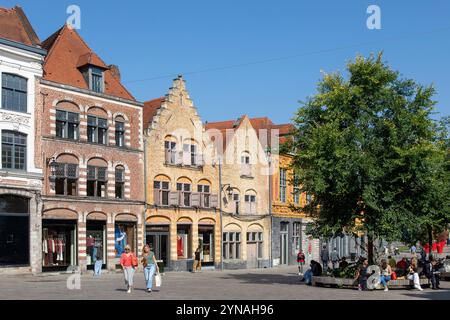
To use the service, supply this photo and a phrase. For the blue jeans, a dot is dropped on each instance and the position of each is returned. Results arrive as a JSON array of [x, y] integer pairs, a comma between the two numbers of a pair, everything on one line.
[[149, 271], [98, 267], [384, 280], [308, 276]]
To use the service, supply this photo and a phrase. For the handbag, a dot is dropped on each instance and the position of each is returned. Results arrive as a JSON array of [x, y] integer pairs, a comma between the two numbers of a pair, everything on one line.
[[134, 260], [158, 280], [393, 275]]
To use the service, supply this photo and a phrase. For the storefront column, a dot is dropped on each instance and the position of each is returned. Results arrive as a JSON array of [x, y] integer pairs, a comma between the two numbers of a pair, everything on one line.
[[140, 239], [110, 245], [173, 241], [217, 245], [82, 245], [36, 234], [194, 239]]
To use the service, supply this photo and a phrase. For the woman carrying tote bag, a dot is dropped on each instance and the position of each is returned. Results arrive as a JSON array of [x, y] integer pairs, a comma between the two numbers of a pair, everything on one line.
[[150, 266]]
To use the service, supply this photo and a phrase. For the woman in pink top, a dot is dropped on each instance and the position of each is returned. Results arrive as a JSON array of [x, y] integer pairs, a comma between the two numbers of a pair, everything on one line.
[[128, 261]]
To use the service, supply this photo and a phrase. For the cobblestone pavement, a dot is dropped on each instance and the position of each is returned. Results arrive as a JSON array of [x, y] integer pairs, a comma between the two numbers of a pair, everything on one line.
[[261, 284]]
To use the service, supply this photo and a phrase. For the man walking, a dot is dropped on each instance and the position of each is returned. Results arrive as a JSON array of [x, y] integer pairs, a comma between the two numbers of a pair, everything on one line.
[[335, 258], [324, 256]]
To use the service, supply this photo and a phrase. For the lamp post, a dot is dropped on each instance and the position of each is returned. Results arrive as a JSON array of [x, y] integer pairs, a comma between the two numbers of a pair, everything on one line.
[[269, 160], [229, 192], [53, 165]]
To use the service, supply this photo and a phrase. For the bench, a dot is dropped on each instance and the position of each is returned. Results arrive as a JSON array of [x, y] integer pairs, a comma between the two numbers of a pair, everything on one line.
[[351, 283]]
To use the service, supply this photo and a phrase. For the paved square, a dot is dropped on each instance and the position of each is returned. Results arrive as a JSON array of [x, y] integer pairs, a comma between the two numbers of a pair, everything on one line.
[[259, 284]]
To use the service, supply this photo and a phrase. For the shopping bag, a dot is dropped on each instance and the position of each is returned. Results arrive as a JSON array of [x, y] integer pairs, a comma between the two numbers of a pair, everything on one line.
[[158, 280]]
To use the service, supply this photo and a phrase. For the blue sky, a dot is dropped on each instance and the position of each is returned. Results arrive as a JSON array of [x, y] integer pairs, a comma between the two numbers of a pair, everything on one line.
[[156, 40]]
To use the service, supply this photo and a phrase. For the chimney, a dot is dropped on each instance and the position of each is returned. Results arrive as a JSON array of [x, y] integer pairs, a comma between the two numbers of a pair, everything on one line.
[[114, 71]]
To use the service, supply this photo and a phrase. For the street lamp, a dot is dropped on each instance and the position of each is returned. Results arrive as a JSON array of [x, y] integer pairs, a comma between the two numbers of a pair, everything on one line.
[[53, 165]]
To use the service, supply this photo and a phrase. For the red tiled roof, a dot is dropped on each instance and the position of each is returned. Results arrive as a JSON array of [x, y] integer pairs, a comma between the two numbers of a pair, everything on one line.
[[15, 26], [150, 109], [66, 52], [257, 124]]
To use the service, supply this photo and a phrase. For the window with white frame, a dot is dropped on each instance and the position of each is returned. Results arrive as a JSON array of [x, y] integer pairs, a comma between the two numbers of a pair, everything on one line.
[[120, 182], [14, 92], [282, 185], [161, 192], [296, 189], [205, 195], [250, 203], [170, 151], [231, 245], [14, 150], [97, 129], [185, 190], [66, 179], [296, 235], [96, 182], [120, 133]]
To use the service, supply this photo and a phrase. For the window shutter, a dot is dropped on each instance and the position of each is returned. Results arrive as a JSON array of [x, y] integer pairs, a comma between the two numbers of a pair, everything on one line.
[[247, 207], [195, 199], [157, 197], [174, 198], [186, 155], [199, 160], [214, 201], [168, 156]]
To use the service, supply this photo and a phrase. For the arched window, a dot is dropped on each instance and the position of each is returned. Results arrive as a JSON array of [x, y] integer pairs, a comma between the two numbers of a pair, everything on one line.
[[170, 150], [120, 131], [161, 187], [120, 182], [97, 178], [66, 175], [14, 150], [14, 92], [204, 190], [97, 126], [67, 121], [250, 202], [184, 187]]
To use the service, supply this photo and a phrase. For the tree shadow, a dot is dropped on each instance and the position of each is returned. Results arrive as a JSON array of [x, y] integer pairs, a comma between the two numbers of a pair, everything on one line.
[[254, 278], [443, 294]]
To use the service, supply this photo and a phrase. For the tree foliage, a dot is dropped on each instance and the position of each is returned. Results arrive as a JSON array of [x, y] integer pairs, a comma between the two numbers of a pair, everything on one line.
[[371, 155]]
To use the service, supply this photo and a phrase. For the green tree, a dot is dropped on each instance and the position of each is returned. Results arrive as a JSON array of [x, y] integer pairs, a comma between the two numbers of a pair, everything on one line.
[[368, 152]]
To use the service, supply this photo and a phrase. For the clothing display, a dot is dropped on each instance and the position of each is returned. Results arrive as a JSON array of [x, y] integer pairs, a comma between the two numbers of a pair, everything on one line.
[[54, 249]]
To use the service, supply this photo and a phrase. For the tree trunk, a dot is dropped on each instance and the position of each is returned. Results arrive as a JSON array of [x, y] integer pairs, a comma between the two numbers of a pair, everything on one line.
[[370, 248], [430, 241]]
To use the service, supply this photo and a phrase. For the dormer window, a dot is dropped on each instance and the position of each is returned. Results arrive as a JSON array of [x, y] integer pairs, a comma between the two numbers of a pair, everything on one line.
[[94, 77], [96, 83]]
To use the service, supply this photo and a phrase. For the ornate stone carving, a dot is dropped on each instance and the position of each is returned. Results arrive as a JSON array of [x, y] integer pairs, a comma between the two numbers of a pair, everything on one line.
[[14, 118]]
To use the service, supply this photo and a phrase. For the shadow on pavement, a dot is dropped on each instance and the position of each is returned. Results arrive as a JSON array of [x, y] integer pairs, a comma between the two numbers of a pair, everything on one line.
[[443, 294], [266, 278]]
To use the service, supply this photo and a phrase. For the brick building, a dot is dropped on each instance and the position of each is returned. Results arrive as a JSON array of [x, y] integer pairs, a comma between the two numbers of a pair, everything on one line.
[[90, 148], [21, 59], [181, 182]]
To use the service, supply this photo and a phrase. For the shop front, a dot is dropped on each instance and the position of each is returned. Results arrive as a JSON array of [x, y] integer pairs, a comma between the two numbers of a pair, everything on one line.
[[206, 244], [14, 231], [125, 233], [96, 247], [158, 237], [59, 244]]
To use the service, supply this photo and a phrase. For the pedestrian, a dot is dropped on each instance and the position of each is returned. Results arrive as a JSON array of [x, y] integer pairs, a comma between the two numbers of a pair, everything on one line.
[[335, 258], [98, 263], [413, 250], [361, 274], [432, 273], [414, 275], [386, 273], [150, 265], [197, 260], [129, 262], [300, 261], [324, 256]]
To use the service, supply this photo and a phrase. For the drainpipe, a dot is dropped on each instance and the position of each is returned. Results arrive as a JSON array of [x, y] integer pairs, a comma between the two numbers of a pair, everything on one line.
[[145, 190], [220, 208]]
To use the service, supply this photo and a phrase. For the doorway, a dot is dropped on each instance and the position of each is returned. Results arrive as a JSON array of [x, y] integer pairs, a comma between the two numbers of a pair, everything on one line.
[[158, 238], [284, 243], [206, 243]]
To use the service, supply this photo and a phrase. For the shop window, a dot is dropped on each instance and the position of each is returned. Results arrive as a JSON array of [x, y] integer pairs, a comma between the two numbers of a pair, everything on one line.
[[205, 195], [120, 133], [96, 182], [161, 192], [185, 190], [120, 183], [58, 244], [97, 130], [14, 150], [125, 233], [14, 230], [67, 125], [95, 242], [14, 93], [206, 244], [231, 245], [66, 179], [183, 242], [296, 235]]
